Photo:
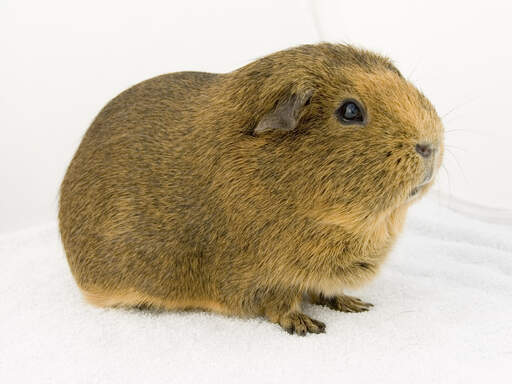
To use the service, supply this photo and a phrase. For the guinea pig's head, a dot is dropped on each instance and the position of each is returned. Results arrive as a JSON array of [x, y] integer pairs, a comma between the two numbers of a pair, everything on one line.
[[350, 135]]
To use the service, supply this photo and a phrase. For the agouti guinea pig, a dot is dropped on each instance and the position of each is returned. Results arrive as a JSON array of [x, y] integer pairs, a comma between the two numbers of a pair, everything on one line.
[[245, 193]]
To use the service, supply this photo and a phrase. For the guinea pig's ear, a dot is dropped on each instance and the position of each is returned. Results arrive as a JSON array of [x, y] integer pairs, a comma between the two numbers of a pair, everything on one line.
[[285, 116]]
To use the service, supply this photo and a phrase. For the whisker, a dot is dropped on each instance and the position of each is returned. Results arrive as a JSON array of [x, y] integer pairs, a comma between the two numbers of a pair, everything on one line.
[[456, 130], [454, 147], [448, 179], [459, 106], [458, 164], [443, 167], [414, 69], [465, 131]]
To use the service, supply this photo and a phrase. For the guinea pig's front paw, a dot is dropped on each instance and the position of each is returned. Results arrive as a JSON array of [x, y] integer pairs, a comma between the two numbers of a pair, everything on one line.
[[300, 324], [343, 303]]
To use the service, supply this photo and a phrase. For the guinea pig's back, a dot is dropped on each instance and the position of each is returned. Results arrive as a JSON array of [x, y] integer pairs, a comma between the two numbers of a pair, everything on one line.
[[132, 186], [145, 106]]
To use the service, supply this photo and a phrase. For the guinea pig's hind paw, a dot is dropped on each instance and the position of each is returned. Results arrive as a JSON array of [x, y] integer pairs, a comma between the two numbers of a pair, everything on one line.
[[345, 303], [300, 324]]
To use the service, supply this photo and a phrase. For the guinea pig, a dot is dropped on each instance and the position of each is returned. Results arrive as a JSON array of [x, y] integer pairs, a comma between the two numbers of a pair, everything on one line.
[[248, 192]]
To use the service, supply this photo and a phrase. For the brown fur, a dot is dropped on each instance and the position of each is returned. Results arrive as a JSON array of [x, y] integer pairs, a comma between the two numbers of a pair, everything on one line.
[[237, 193]]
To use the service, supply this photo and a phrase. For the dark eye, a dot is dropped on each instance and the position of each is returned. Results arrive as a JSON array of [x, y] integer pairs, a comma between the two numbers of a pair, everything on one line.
[[350, 112]]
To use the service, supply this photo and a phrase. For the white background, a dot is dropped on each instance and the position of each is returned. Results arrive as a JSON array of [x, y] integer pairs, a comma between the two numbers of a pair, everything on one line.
[[61, 61]]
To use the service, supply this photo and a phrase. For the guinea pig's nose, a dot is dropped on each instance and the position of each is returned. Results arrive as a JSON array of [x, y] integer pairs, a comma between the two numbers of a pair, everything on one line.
[[424, 150]]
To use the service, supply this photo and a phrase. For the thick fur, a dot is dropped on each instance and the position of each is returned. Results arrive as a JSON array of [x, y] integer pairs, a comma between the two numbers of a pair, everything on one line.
[[175, 199]]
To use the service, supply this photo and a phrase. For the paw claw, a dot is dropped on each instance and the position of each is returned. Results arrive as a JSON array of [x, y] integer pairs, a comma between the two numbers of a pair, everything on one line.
[[300, 324], [345, 303]]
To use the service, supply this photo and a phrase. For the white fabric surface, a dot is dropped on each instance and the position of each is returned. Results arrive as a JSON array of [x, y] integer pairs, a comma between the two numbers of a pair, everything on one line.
[[442, 315]]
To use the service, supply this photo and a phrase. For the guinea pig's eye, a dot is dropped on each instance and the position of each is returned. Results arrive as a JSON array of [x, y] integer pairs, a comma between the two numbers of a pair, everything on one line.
[[350, 112]]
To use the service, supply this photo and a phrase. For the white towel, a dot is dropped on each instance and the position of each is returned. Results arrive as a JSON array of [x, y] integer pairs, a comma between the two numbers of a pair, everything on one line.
[[443, 313]]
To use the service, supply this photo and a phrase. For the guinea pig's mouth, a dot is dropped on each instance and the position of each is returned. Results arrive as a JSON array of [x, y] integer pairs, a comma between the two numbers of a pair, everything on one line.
[[426, 181], [415, 191]]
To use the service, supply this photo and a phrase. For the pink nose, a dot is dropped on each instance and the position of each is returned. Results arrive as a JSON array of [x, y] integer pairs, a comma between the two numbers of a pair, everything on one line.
[[424, 150]]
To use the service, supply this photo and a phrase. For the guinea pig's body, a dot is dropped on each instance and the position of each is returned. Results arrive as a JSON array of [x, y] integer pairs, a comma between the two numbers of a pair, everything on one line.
[[242, 192]]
